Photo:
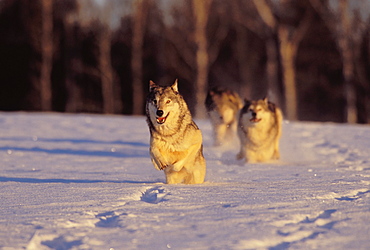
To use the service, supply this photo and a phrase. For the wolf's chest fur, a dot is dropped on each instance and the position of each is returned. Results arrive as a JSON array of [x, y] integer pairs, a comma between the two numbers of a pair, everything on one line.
[[260, 135], [174, 142], [170, 152]]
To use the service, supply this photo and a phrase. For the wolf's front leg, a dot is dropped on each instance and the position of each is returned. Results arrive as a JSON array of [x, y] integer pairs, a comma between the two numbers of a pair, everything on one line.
[[220, 134], [155, 157], [158, 165], [187, 158], [276, 154], [241, 154], [198, 173], [175, 177]]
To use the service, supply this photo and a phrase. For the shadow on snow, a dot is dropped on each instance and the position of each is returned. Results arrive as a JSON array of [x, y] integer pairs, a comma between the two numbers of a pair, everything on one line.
[[126, 153], [67, 181], [74, 141]]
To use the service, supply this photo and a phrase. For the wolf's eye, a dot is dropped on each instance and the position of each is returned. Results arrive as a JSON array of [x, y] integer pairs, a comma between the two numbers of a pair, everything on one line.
[[155, 101], [168, 101]]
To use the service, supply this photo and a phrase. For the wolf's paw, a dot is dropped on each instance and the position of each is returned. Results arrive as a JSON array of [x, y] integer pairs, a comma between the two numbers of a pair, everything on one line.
[[163, 167], [239, 156], [276, 156]]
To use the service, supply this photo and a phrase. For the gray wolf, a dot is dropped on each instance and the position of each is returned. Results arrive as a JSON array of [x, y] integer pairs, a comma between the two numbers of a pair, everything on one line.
[[223, 106], [175, 140], [259, 131]]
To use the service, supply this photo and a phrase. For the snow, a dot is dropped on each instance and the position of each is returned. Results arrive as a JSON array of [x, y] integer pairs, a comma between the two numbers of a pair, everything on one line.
[[87, 182]]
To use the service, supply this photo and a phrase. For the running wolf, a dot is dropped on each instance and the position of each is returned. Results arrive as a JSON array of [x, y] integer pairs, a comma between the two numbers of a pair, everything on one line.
[[259, 131], [223, 106], [175, 140]]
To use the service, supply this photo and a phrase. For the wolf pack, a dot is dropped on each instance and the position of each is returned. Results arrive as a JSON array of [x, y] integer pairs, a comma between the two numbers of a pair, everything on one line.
[[176, 144]]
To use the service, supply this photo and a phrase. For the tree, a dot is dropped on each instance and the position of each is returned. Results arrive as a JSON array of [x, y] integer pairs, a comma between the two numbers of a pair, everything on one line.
[[106, 70], [190, 53], [97, 16], [141, 8], [201, 11], [289, 37], [348, 29], [46, 54], [247, 17]]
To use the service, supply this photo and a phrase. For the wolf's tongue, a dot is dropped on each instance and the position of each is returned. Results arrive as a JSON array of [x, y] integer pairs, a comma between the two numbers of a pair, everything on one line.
[[161, 119], [255, 120]]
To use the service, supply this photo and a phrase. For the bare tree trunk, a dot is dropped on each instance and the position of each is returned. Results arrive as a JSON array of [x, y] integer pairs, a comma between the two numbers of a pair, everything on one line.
[[265, 30], [289, 40], [349, 90], [345, 25], [201, 11], [73, 66], [272, 71], [288, 54], [348, 63], [46, 55], [140, 16], [289, 43], [241, 48], [106, 70], [363, 94]]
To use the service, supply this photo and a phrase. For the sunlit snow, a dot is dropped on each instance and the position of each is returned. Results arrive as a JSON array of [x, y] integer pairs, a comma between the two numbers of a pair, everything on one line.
[[87, 182]]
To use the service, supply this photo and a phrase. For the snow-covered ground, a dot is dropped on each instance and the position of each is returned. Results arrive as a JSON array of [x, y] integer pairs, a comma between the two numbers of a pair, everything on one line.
[[87, 182]]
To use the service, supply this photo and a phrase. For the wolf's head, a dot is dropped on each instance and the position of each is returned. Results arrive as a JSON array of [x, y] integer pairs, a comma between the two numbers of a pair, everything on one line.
[[163, 104], [258, 111], [223, 104]]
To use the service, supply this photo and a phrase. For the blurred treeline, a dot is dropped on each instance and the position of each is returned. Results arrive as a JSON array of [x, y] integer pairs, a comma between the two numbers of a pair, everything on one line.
[[311, 57]]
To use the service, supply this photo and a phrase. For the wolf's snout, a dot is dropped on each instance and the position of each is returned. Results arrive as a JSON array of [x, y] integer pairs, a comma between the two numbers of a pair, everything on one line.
[[160, 118], [254, 114]]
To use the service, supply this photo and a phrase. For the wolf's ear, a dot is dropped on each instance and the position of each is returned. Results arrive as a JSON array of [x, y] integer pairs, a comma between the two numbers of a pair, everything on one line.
[[152, 85], [174, 86], [246, 101], [272, 107], [266, 100], [245, 107]]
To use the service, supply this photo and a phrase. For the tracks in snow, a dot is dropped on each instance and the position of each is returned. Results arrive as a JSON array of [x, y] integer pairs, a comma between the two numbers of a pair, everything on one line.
[[297, 228], [154, 195], [90, 220]]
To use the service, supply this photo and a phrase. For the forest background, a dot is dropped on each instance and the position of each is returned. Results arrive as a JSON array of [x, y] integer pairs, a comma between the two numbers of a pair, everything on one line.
[[311, 57]]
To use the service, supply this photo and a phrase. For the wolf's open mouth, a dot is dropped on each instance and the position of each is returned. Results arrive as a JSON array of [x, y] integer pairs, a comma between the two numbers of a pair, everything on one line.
[[161, 120], [255, 120]]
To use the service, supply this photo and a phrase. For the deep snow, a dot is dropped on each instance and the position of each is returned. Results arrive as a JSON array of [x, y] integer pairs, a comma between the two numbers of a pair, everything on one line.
[[87, 182]]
